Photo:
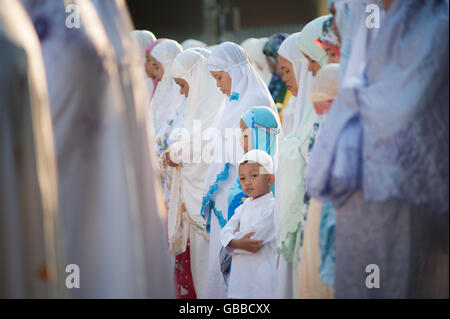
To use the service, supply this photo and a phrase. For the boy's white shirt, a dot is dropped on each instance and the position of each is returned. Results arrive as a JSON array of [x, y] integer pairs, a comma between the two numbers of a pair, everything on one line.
[[252, 274]]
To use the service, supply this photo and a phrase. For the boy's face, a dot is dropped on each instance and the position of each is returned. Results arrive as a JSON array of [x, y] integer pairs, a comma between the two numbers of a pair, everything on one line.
[[255, 181]]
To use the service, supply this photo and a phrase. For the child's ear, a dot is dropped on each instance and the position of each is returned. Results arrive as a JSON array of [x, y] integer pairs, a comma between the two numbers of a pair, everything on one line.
[[271, 179]]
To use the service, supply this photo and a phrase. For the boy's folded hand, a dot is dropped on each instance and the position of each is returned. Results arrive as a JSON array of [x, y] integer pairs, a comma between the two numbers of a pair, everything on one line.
[[247, 244]]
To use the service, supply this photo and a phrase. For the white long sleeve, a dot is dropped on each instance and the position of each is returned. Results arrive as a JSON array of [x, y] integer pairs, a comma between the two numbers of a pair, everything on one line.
[[227, 234]]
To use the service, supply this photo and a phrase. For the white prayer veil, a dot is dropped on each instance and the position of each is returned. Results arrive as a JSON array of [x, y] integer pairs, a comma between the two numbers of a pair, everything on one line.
[[294, 151], [167, 96], [203, 51], [254, 48], [247, 87], [105, 165], [31, 264], [144, 38], [204, 101], [294, 111], [192, 43]]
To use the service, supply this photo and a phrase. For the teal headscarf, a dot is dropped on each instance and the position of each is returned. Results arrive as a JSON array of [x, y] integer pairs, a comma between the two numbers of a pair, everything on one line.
[[264, 127], [262, 122]]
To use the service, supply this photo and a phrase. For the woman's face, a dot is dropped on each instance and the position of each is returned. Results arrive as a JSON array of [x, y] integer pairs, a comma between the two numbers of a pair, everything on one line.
[[322, 107], [332, 57], [246, 137], [288, 75], [153, 68], [148, 65], [223, 81], [184, 86], [313, 65]]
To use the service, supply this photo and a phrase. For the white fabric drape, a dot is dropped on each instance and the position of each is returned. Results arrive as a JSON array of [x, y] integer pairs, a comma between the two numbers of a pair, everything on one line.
[[117, 23], [31, 262], [110, 205], [144, 38], [203, 103], [294, 111], [192, 43], [167, 96]]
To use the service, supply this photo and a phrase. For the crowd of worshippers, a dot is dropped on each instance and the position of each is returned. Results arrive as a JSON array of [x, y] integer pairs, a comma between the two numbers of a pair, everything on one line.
[[335, 185]]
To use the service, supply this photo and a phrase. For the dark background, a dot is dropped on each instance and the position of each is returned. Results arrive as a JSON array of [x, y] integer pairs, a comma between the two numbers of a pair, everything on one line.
[[217, 20]]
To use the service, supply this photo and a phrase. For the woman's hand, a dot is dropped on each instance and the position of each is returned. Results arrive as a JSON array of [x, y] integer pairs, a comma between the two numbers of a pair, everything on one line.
[[246, 243]]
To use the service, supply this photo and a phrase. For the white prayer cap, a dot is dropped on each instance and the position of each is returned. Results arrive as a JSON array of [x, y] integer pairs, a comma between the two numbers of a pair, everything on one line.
[[260, 157]]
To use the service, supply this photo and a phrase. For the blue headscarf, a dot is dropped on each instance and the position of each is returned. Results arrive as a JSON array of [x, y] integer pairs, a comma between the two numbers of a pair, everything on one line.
[[262, 122]]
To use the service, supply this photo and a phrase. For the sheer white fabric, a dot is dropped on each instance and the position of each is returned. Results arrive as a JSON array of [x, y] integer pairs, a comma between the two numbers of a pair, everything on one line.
[[144, 38], [167, 96], [192, 43], [31, 263], [203, 103], [294, 111], [110, 205]]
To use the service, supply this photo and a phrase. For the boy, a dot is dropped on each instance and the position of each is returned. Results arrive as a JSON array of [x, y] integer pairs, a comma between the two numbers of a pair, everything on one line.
[[249, 236]]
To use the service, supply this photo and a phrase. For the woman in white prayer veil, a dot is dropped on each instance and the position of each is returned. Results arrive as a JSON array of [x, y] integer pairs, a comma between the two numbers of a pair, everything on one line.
[[167, 99], [204, 102], [110, 207], [291, 208], [254, 48], [144, 39], [292, 115], [168, 107], [296, 75], [245, 91], [31, 264]]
